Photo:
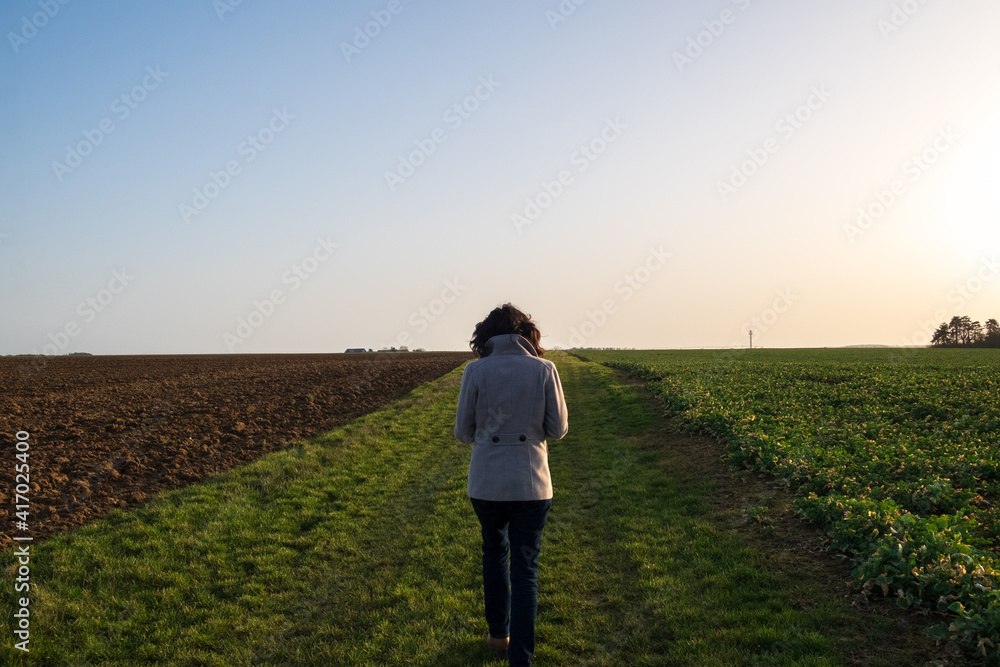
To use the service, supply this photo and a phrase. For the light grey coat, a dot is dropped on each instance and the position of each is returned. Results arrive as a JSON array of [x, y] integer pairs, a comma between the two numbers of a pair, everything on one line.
[[510, 401]]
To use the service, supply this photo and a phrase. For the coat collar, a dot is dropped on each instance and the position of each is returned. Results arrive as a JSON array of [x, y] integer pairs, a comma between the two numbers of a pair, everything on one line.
[[509, 344]]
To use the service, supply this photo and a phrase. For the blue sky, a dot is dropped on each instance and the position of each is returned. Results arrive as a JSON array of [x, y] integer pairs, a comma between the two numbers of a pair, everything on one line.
[[210, 177]]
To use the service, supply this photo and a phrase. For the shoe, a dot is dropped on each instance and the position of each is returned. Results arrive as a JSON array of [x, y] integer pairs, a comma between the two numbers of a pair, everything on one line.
[[498, 646]]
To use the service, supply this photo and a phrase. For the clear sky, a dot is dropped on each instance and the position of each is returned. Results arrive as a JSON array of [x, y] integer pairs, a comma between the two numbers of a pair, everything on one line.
[[251, 176]]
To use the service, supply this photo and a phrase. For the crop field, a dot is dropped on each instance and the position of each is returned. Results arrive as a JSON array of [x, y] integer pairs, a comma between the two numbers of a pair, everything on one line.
[[333, 527], [116, 430], [895, 453], [359, 547]]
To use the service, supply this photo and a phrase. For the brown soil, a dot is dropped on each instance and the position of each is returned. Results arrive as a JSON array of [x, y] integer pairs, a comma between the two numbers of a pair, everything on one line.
[[110, 431]]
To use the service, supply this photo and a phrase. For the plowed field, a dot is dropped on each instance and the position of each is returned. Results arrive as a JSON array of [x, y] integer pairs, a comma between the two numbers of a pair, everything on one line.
[[110, 431]]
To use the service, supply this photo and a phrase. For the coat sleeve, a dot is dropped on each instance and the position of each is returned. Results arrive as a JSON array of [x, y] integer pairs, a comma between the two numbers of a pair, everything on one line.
[[556, 416], [465, 415]]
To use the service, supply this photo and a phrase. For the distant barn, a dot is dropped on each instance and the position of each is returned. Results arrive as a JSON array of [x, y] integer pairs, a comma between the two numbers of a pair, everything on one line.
[[352, 350]]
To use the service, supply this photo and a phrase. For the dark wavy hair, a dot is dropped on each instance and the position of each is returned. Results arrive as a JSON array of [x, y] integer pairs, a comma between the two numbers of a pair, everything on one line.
[[505, 319]]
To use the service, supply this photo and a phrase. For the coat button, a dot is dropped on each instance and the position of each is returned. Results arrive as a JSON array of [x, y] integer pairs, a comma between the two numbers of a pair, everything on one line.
[[496, 439], [523, 437]]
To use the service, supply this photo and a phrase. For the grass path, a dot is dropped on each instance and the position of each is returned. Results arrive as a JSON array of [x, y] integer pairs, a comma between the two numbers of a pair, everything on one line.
[[361, 548]]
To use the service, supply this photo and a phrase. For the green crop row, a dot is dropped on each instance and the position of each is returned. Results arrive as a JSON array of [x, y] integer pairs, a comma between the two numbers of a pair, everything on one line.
[[895, 453]]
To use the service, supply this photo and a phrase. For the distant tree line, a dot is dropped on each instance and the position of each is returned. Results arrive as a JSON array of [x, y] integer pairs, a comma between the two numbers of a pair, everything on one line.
[[963, 332]]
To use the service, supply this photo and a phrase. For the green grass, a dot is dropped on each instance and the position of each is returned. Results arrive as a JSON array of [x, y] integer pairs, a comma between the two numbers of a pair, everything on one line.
[[361, 548], [896, 453]]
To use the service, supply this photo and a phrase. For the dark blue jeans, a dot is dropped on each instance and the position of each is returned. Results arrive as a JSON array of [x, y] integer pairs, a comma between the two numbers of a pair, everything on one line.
[[512, 598]]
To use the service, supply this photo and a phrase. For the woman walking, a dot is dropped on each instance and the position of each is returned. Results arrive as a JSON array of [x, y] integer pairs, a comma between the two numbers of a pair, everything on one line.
[[510, 401]]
